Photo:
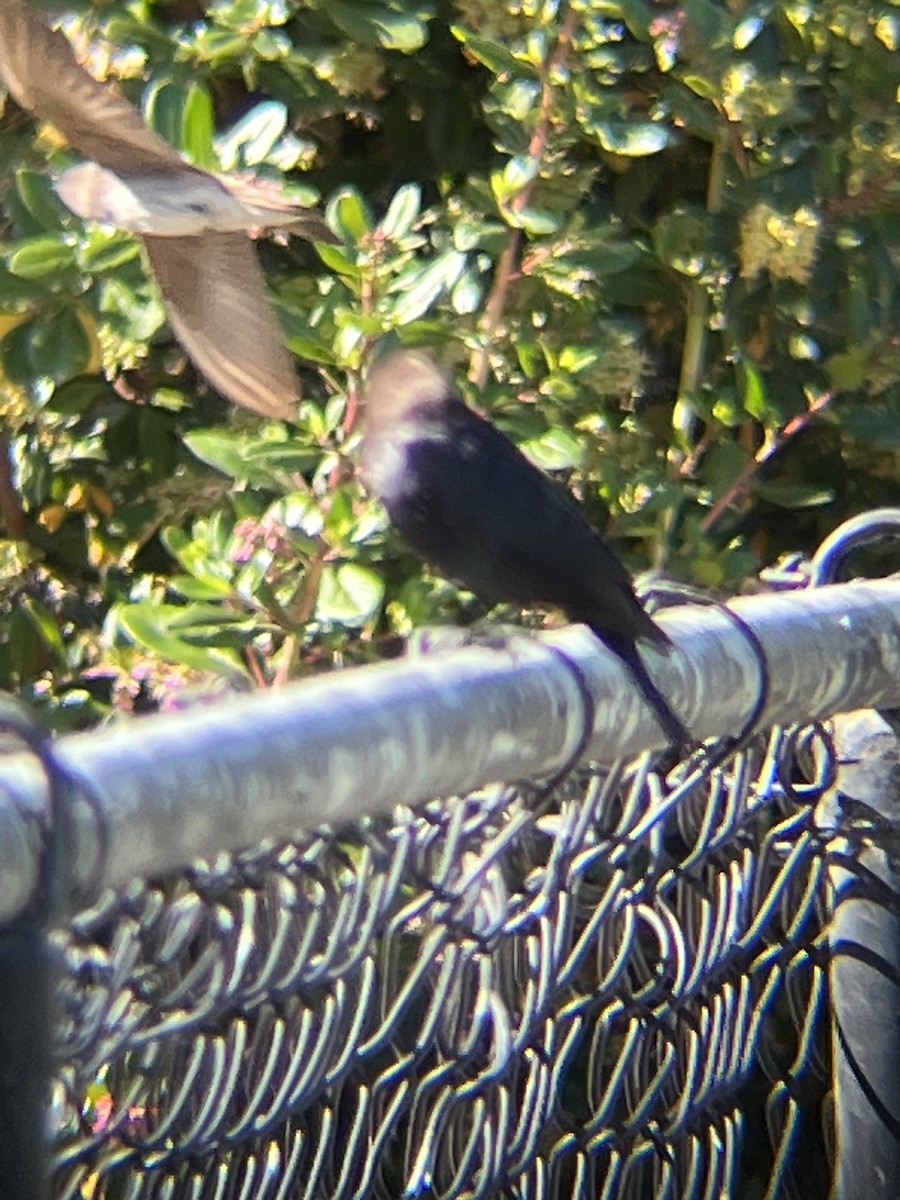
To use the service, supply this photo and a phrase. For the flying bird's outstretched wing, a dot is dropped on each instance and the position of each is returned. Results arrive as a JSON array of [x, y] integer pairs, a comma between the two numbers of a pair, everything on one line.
[[194, 224], [214, 283], [41, 71]]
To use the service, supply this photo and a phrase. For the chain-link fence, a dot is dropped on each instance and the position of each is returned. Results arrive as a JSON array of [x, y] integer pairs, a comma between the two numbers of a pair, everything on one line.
[[616, 976]]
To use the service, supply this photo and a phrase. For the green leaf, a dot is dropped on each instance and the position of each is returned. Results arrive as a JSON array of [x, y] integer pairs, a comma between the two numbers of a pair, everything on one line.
[[198, 126], [722, 465], [45, 624], [792, 495], [177, 632], [348, 594], [220, 448], [571, 271], [350, 215], [633, 139], [311, 349], [26, 647], [680, 239], [54, 347], [213, 574], [252, 139], [33, 258], [103, 250], [466, 295], [402, 212], [536, 222], [747, 31], [573, 359], [78, 395], [492, 54], [873, 424], [556, 450], [338, 259], [706, 88], [200, 590], [252, 458], [636, 13], [420, 287], [728, 409], [163, 104], [754, 391], [17, 294], [849, 370], [515, 174], [37, 195], [369, 21], [219, 45]]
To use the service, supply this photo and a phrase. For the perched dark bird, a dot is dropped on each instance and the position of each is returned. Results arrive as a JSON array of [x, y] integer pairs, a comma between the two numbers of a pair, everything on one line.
[[470, 503], [194, 225]]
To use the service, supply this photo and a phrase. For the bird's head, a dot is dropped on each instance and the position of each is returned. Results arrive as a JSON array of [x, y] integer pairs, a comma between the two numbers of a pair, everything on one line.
[[401, 384]]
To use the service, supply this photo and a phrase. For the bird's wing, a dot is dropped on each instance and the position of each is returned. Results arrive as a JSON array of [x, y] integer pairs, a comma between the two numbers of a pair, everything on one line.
[[215, 295], [212, 283], [40, 69], [508, 533]]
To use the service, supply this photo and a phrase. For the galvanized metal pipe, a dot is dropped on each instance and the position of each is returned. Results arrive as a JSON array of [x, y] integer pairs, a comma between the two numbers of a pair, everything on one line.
[[168, 789]]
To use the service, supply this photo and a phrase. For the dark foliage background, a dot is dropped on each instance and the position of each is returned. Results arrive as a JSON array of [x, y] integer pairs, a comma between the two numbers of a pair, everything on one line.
[[659, 243]]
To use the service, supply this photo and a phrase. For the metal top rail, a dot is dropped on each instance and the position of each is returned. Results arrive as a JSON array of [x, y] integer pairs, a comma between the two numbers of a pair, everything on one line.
[[331, 750]]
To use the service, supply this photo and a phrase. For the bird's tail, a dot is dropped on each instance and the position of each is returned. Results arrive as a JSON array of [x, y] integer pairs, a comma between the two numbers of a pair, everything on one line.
[[674, 727]]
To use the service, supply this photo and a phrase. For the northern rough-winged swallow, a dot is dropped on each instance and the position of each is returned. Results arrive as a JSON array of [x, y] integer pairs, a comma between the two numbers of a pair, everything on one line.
[[194, 225]]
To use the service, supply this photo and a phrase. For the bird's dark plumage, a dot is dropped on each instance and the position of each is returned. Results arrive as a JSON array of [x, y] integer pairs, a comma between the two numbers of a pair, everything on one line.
[[470, 503]]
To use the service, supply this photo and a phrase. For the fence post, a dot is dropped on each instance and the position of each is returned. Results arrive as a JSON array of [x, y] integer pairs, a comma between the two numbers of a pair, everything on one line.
[[865, 957]]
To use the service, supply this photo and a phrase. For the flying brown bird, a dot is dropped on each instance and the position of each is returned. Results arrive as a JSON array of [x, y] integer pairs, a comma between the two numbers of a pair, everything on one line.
[[194, 225], [472, 505]]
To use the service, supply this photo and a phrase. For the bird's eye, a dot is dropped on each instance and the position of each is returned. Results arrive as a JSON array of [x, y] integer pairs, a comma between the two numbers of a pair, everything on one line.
[[198, 206]]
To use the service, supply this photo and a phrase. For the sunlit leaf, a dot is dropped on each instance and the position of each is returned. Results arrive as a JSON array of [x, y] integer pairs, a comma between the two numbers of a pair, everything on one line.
[[792, 495], [555, 450], [634, 139], [350, 215], [492, 54], [178, 634], [370, 21], [36, 257], [421, 287], [402, 212], [36, 192], [348, 593], [197, 126], [252, 139], [104, 249], [44, 623], [754, 392], [163, 105]]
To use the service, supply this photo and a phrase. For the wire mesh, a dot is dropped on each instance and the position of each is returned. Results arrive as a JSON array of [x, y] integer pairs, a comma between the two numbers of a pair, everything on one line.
[[627, 980], [617, 989]]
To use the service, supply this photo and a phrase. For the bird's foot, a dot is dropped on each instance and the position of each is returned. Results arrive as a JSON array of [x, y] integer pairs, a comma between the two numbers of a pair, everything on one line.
[[431, 639]]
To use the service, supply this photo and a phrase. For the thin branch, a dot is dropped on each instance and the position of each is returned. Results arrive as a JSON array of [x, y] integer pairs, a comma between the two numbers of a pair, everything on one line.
[[505, 271], [11, 511], [496, 303], [285, 659], [873, 195], [741, 485], [694, 355]]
